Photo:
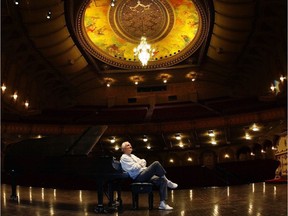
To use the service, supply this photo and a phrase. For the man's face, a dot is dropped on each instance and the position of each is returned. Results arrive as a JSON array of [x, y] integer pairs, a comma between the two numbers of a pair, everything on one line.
[[127, 148]]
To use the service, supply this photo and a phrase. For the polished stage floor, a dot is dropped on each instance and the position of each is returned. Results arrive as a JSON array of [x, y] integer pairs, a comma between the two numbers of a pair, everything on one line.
[[257, 199]]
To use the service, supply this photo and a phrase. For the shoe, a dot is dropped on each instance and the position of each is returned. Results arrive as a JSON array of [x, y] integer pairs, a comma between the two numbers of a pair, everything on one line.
[[172, 185], [164, 206]]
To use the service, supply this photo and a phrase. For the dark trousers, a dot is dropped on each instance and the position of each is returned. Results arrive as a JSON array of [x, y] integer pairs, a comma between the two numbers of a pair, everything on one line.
[[155, 173]]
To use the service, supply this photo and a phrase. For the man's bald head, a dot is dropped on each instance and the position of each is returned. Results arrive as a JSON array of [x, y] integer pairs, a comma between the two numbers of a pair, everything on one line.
[[126, 147]]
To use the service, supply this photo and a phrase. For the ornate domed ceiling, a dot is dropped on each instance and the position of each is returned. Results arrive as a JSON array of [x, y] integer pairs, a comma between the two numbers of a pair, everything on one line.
[[220, 58], [174, 29]]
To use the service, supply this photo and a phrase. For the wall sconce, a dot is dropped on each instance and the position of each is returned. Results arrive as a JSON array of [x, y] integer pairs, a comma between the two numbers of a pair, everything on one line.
[[112, 140], [49, 15], [145, 138], [3, 88], [116, 147], [272, 87], [108, 81], [211, 133], [213, 141], [263, 151], [247, 136], [164, 77], [16, 2], [26, 104], [255, 127], [192, 76], [148, 147], [282, 78], [136, 81], [178, 136], [15, 96]]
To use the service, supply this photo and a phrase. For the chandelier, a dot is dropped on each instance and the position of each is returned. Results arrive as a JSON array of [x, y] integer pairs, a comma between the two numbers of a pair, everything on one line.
[[143, 51]]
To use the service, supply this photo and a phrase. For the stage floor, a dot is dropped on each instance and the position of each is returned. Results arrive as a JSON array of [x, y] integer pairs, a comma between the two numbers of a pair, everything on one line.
[[259, 199]]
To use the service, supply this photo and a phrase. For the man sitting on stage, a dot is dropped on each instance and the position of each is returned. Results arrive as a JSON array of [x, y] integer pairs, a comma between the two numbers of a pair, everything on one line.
[[139, 172]]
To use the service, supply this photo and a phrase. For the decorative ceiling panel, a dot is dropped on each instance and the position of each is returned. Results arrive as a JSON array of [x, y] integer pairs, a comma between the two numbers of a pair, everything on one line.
[[175, 29]]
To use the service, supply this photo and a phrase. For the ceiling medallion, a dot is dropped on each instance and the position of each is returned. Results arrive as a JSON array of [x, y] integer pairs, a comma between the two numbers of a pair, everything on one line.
[[110, 34]]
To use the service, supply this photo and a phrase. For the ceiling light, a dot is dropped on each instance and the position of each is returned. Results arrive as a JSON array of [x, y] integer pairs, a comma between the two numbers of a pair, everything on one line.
[[213, 142], [171, 160], [3, 88], [189, 159], [26, 104], [113, 3], [181, 145], [148, 147], [145, 138], [247, 136], [116, 147], [255, 127], [15, 96], [165, 79], [192, 76], [226, 156], [48, 16], [143, 51], [178, 137], [282, 78], [136, 80], [108, 81], [211, 133], [112, 140], [16, 2]]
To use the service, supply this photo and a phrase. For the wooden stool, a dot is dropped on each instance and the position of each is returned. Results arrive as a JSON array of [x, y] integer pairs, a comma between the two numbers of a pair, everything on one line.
[[142, 187]]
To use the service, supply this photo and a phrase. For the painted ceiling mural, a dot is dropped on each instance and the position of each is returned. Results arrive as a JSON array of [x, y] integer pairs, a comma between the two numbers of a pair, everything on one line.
[[172, 27]]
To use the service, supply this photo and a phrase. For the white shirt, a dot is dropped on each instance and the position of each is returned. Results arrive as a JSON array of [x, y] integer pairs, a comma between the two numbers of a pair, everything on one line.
[[132, 164]]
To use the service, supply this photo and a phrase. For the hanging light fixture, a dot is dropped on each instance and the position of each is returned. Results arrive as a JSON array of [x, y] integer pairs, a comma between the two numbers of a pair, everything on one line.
[[143, 51]]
